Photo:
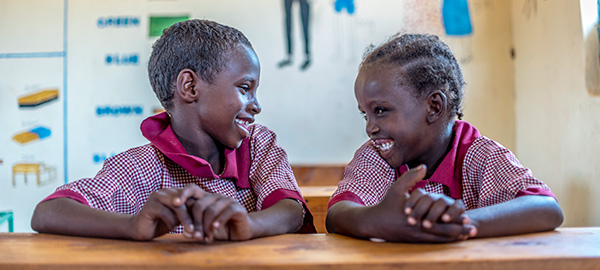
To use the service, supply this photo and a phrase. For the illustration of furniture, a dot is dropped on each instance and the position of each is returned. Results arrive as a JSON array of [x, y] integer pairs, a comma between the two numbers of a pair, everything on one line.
[[38, 98], [29, 168], [7, 216], [32, 135]]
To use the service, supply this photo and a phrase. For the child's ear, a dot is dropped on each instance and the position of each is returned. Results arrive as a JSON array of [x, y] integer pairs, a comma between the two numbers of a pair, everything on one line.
[[187, 81], [437, 106]]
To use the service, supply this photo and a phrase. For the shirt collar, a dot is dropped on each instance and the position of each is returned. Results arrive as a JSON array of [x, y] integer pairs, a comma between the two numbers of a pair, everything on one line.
[[157, 129], [449, 172]]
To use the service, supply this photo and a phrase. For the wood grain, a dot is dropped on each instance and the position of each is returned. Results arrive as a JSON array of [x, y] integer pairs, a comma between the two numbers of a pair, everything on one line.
[[566, 248]]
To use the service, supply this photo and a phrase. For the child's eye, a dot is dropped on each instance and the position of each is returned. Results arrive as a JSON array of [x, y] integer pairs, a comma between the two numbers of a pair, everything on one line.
[[379, 110], [364, 115], [245, 88]]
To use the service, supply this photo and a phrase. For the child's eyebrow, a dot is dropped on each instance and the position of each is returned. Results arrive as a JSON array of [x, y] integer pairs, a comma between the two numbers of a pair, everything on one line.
[[248, 78]]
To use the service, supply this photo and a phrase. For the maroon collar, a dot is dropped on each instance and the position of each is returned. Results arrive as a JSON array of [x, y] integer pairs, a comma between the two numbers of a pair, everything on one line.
[[449, 172], [157, 129]]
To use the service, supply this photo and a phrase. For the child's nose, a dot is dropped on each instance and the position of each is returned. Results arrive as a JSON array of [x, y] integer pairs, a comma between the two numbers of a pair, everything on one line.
[[254, 107], [372, 127]]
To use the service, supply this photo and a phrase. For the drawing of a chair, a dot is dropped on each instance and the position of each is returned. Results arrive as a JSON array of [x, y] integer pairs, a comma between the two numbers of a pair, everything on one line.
[[7, 216]]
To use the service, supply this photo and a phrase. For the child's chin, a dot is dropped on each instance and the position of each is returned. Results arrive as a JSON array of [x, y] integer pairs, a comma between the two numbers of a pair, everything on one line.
[[393, 163]]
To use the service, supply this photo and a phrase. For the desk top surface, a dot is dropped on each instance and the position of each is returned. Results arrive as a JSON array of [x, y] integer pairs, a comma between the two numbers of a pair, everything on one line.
[[565, 248]]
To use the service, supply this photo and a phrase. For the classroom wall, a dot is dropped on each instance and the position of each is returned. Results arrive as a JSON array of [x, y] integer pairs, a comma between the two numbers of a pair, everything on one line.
[[99, 71], [557, 123]]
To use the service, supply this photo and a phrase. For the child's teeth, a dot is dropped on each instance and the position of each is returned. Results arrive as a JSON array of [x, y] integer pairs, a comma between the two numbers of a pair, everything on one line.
[[384, 146]]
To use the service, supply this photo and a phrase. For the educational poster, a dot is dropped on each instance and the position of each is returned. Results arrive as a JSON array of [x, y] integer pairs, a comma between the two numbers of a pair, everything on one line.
[[74, 86]]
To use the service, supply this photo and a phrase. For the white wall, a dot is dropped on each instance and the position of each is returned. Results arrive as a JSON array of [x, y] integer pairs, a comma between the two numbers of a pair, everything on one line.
[[558, 122], [313, 112]]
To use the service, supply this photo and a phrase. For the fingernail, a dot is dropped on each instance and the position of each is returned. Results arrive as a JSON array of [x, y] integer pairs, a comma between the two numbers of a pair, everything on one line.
[[407, 210], [473, 232], [216, 224], [427, 224], [446, 218], [412, 221], [198, 235]]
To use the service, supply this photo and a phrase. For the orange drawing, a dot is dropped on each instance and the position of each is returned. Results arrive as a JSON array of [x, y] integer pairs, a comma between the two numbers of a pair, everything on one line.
[[38, 98], [37, 168]]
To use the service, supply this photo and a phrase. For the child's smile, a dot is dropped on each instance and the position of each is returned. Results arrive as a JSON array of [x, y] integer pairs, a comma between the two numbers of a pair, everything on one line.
[[395, 117], [383, 145]]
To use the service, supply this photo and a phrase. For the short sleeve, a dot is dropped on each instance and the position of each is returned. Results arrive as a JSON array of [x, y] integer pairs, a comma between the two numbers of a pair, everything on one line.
[[271, 175], [492, 174], [122, 185], [367, 178]]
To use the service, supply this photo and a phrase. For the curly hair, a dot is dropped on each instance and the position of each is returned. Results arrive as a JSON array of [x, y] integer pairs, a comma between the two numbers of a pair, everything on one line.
[[426, 62], [200, 45]]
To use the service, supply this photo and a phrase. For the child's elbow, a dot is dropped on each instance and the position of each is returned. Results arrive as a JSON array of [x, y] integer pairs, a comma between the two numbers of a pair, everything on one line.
[[36, 221], [553, 213]]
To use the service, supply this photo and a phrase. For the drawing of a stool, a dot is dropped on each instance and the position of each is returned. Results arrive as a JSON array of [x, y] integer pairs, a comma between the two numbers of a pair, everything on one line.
[[7, 216], [37, 168]]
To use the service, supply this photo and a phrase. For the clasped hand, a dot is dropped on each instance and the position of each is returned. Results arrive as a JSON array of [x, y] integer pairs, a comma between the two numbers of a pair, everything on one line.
[[205, 216], [420, 216]]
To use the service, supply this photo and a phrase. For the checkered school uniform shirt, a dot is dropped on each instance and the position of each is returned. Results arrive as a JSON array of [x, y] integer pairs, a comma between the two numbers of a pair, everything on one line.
[[477, 170], [257, 178]]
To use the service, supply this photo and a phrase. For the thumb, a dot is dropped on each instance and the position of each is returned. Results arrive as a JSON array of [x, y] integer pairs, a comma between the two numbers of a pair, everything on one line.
[[407, 180]]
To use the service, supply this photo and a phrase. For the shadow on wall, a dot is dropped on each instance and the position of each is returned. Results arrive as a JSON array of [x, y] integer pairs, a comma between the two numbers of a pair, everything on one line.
[[576, 206], [592, 62]]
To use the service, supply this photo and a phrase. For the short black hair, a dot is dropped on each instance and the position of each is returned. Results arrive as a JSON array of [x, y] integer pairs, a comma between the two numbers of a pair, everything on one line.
[[200, 45], [427, 64]]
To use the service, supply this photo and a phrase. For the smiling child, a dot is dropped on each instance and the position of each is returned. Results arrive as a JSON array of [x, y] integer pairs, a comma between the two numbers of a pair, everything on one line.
[[208, 172], [461, 184]]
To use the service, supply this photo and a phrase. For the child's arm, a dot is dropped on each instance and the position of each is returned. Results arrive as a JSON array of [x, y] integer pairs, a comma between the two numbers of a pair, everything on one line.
[[525, 214], [387, 220], [69, 217]]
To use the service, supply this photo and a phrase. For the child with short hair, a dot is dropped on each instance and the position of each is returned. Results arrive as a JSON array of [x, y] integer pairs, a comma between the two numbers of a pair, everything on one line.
[[207, 172], [463, 184]]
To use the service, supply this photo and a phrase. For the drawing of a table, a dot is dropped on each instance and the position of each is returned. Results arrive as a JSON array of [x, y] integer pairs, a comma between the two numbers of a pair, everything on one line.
[[37, 168]]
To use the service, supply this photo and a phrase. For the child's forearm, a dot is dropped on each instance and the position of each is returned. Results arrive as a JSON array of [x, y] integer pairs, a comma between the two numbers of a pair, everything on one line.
[[284, 216], [69, 217], [524, 214], [344, 218]]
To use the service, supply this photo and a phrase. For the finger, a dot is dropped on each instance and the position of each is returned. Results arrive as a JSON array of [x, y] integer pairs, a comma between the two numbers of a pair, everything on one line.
[[411, 177], [454, 213], [165, 198], [420, 209], [190, 191], [412, 200], [197, 212], [438, 208], [451, 230], [159, 213], [210, 215], [234, 214], [426, 237]]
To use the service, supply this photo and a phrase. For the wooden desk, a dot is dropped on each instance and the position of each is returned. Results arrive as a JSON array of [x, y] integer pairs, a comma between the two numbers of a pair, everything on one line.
[[568, 248], [316, 199]]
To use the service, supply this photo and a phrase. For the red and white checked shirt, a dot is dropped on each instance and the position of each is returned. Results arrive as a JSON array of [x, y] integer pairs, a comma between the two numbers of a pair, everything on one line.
[[257, 174], [477, 170]]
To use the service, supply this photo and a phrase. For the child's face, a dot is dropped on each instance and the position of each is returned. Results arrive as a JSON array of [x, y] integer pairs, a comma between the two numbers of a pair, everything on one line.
[[230, 102], [396, 119]]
